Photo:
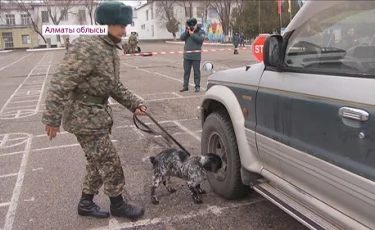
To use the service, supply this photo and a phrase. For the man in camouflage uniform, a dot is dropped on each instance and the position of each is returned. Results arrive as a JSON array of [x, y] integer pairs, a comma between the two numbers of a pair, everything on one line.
[[89, 74], [133, 41]]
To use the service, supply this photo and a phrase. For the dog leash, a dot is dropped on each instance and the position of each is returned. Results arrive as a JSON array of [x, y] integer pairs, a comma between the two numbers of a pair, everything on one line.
[[166, 136]]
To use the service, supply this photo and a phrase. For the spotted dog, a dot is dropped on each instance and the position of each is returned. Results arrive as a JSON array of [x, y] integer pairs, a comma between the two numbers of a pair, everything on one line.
[[177, 163]]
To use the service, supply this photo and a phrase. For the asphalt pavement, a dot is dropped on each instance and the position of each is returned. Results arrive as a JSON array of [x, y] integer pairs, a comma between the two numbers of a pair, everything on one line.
[[40, 180]]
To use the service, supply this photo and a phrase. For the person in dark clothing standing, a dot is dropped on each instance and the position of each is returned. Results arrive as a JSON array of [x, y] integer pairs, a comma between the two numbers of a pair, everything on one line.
[[236, 40], [193, 37]]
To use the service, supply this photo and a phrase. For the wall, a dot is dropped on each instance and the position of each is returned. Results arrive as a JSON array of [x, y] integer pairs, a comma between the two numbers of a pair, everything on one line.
[[211, 25], [17, 37], [72, 19], [150, 28]]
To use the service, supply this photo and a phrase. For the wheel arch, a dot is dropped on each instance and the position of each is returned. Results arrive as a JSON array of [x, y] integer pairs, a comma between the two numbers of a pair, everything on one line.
[[222, 98]]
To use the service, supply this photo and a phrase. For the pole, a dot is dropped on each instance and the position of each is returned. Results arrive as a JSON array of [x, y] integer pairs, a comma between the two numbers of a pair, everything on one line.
[[259, 16]]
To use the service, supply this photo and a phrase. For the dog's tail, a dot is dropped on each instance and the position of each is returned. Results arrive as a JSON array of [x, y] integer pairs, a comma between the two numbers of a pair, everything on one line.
[[149, 159]]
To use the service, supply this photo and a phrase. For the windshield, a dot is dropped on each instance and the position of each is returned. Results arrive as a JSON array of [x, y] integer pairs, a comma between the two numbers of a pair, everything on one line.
[[340, 38]]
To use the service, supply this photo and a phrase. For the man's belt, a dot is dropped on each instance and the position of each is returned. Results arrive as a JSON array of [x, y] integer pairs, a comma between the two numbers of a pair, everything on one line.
[[88, 98]]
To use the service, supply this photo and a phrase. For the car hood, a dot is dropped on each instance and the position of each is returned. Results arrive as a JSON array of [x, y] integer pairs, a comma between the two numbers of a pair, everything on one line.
[[239, 75]]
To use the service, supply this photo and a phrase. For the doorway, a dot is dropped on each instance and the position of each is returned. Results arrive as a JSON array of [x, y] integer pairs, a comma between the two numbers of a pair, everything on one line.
[[8, 40]]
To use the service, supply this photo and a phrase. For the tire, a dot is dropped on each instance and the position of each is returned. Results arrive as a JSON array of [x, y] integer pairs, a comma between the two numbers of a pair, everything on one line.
[[218, 124]]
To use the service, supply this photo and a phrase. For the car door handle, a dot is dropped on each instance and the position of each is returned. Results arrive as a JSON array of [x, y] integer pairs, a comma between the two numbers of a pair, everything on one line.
[[357, 114]]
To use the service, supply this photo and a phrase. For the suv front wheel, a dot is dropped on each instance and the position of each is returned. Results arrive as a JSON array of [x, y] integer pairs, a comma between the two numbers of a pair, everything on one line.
[[218, 137]]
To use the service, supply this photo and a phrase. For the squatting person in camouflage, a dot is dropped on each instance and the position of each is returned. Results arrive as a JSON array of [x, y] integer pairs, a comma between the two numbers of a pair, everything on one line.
[[89, 74]]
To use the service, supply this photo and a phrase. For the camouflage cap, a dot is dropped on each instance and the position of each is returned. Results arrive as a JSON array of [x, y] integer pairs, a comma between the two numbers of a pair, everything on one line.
[[114, 13]]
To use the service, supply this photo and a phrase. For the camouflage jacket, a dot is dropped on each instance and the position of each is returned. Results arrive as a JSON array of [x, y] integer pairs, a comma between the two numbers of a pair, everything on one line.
[[133, 40], [91, 67]]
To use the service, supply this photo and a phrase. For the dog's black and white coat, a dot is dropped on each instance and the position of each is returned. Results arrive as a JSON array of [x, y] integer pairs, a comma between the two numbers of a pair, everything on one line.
[[177, 163]]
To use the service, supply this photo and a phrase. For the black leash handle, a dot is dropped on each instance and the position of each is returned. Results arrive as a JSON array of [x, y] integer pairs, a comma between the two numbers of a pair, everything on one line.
[[149, 130]]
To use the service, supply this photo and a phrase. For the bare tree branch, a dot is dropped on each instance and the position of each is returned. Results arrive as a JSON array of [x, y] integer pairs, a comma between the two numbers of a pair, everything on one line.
[[35, 21], [59, 9], [91, 6], [165, 15], [224, 9]]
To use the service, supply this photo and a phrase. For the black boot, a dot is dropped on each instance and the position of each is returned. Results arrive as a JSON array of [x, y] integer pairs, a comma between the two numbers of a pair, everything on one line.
[[87, 207], [121, 209]]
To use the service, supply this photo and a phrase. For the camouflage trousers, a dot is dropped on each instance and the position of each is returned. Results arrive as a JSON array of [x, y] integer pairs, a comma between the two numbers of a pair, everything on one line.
[[103, 165], [133, 48]]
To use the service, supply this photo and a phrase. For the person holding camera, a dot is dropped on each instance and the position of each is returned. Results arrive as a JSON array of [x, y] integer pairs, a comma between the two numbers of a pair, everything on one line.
[[193, 37]]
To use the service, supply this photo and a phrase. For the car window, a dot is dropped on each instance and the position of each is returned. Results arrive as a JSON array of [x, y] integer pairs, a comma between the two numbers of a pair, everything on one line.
[[338, 39]]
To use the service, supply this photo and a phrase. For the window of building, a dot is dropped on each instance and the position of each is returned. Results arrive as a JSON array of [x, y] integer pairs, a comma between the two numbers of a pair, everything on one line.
[[10, 19], [200, 12], [25, 19], [45, 16], [143, 26], [133, 23], [25, 39], [146, 15], [152, 12], [152, 30], [335, 40]]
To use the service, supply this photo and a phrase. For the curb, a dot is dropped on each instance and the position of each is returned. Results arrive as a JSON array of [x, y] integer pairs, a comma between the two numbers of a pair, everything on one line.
[[45, 49], [205, 44], [5, 51]]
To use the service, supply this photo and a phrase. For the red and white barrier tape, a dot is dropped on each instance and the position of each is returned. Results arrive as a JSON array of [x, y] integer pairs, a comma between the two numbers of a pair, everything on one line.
[[181, 52]]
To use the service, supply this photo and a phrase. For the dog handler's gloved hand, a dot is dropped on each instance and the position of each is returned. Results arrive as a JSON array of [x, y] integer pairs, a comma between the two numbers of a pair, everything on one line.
[[140, 110], [52, 131]]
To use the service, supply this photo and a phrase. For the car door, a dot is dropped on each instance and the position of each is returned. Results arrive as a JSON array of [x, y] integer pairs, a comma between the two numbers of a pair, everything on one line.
[[321, 124]]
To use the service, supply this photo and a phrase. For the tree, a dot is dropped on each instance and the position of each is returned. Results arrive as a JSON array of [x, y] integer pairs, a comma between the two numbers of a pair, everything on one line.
[[91, 6], [224, 10], [35, 21], [165, 15], [57, 10], [188, 7]]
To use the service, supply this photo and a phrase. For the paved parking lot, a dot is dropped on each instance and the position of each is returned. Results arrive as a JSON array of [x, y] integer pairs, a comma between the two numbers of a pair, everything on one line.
[[40, 180]]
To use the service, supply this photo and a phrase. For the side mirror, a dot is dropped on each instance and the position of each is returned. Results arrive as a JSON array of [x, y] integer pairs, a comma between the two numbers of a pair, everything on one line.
[[273, 51], [208, 66]]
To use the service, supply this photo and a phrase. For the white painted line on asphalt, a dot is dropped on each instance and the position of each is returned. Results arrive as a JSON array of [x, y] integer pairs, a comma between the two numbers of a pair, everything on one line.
[[6, 138], [175, 134], [127, 126], [24, 101], [17, 189], [10, 154], [4, 204], [45, 135], [139, 133], [8, 175], [19, 93], [184, 128], [178, 95], [211, 209], [59, 147], [14, 62], [159, 74], [160, 122], [138, 96], [166, 99]]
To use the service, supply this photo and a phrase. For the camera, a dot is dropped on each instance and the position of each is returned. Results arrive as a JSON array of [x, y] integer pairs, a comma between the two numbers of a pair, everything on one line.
[[191, 27], [190, 23]]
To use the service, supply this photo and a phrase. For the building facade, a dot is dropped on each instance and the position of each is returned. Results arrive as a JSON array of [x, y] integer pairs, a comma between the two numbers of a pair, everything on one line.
[[19, 23], [151, 19], [16, 30]]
